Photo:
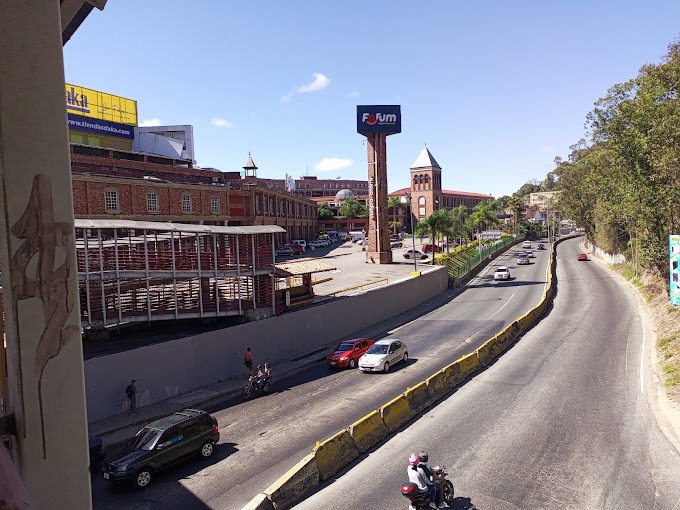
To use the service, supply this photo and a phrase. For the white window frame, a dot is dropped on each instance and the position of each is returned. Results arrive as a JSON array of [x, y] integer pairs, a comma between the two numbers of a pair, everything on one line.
[[151, 197], [187, 203], [111, 201], [215, 204]]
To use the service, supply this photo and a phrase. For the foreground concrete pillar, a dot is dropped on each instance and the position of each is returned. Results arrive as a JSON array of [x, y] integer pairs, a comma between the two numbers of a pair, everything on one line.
[[37, 254]]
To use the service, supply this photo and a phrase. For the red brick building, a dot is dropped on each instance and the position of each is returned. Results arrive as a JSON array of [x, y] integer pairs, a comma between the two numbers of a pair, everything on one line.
[[117, 184]]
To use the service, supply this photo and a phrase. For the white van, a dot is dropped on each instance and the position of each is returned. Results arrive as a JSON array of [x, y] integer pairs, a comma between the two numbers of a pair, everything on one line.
[[302, 243], [357, 235]]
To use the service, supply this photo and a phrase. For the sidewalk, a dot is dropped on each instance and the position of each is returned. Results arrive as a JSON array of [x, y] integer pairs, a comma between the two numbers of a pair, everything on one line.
[[121, 427], [118, 428]]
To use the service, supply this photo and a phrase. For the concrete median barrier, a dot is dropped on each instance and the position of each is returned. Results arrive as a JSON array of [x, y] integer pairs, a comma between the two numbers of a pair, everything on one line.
[[368, 431], [468, 364], [334, 453], [452, 374], [396, 412], [259, 502], [299, 482], [418, 397], [437, 385], [485, 351]]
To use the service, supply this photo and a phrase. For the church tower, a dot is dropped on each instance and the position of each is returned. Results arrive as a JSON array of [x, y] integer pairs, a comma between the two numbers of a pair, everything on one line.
[[426, 185]]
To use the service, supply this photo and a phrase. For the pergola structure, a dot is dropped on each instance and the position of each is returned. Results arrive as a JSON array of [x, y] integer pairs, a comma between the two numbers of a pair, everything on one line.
[[137, 271]]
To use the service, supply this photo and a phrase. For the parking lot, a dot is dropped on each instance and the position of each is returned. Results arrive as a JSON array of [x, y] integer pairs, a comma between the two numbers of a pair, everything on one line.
[[352, 271]]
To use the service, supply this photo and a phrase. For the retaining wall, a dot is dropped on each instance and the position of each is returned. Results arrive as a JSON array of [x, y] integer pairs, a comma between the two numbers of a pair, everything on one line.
[[170, 368]]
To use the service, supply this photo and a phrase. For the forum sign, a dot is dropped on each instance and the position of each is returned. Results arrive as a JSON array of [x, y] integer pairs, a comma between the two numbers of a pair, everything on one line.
[[379, 119]]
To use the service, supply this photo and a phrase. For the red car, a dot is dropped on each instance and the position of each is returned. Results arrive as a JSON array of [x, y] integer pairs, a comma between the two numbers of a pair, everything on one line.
[[348, 352], [431, 248], [581, 256]]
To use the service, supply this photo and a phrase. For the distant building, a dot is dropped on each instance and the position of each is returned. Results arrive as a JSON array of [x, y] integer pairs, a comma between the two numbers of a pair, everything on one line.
[[426, 193], [542, 199]]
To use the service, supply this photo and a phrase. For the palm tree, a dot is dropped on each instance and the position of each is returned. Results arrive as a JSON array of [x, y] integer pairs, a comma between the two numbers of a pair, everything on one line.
[[482, 217], [393, 203], [394, 225], [516, 205], [350, 208], [325, 211], [435, 223]]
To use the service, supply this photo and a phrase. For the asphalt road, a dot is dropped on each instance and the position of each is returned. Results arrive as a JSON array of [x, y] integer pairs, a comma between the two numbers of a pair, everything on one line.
[[261, 439], [561, 421]]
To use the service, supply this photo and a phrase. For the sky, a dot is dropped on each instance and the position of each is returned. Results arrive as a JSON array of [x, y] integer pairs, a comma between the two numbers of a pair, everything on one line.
[[496, 89]]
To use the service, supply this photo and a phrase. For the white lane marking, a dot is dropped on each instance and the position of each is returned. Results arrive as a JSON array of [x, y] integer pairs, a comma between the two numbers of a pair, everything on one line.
[[642, 350], [506, 304]]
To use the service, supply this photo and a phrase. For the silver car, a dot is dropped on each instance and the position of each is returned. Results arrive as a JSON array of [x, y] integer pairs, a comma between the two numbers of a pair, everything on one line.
[[382, 355], [522, 259]]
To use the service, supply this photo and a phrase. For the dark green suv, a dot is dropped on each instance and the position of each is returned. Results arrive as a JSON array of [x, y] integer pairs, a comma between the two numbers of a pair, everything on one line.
[[163, 443]]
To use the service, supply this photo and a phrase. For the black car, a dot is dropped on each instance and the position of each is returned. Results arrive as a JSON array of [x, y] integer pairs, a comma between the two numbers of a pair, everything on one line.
[[164, 442]]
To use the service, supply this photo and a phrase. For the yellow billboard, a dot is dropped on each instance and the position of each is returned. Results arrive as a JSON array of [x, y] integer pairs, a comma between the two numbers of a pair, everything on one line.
[[100, 105]]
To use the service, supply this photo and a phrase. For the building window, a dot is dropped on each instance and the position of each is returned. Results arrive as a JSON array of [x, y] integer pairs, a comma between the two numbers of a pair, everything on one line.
[[215, 204], [270, 207], [421, 206], [111, 201], [258, 204], [152, 202], [187, 205]]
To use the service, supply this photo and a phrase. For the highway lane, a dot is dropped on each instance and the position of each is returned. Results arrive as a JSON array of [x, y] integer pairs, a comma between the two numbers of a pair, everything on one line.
[[263, 438], [560, 421]]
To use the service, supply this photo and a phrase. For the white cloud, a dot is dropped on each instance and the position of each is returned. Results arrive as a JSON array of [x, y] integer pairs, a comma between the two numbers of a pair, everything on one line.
[[221, 123], [150, 122], [320, 82], [332, 164], [354, 93]]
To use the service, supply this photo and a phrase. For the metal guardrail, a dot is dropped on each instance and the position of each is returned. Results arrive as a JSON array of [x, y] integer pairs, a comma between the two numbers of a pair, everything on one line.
[[360, 287]]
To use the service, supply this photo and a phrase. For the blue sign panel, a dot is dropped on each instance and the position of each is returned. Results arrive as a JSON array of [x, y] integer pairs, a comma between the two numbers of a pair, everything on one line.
[[100, 127], [674, 254], [379, 119]]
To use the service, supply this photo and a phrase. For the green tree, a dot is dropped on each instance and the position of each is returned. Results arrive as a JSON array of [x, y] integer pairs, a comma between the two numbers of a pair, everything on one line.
[[350, 208], [325, 211], [482, 216], [393, 205], [394, 225]]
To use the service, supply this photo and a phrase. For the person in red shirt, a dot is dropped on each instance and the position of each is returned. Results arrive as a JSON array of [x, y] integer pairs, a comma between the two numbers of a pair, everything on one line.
[[248, 359]]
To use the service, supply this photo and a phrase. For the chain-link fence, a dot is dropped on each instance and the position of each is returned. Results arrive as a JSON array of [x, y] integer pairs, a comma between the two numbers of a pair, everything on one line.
[[465, 259]]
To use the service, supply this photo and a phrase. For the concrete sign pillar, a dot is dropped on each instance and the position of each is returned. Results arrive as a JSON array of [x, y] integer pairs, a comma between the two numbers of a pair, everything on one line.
[[376, 122], [378, 249], [38, 261]]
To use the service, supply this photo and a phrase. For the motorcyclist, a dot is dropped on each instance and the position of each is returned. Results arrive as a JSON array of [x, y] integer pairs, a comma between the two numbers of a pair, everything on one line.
[[267, 371], [259, 378], [417, 476], [429, 472]]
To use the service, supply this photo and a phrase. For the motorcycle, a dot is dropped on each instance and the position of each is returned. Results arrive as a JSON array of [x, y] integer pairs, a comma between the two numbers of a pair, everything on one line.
[[256, 384], [419, 500]]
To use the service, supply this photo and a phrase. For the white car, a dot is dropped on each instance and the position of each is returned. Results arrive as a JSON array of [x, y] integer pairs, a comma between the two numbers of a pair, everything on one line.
[[382, 355], [526, 244], [530, 253], [501, 273], [318, 243], [302, 243], [411, 253]]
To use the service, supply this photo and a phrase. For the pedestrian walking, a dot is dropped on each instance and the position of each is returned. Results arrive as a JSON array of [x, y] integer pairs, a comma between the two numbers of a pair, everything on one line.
[[131, 394], [248, 359]]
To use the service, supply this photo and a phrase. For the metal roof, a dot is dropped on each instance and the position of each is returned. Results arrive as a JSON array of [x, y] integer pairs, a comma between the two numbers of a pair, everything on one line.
[[300, 267], [178, 227]]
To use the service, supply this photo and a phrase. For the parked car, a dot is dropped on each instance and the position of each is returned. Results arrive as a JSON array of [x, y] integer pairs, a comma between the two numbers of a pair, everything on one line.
[[541, 246], [411, 253], [530, 253], [522, 259], [501, 273], [581, 256], [382, 355], [318, 243], [162, 443], [396, 244], [302, 243], [286, 249], [348, 352], [526, 244], [96, 451], [430, 248]]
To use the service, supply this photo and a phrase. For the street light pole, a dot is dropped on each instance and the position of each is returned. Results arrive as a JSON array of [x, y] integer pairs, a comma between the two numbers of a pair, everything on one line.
[[413, 234]]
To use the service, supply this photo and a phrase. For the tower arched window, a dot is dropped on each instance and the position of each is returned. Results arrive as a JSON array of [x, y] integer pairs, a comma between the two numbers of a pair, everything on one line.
[[422, 207]]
